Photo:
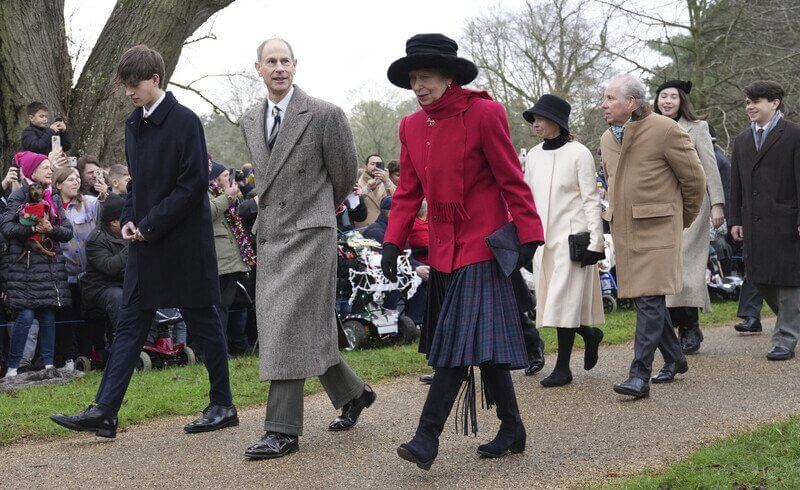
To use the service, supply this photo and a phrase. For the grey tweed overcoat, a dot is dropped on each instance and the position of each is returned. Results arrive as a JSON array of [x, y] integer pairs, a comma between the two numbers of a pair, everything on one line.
[[300, 183]]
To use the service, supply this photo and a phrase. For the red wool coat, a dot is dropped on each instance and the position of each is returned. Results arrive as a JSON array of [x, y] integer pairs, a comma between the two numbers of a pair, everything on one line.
[[493, 188]]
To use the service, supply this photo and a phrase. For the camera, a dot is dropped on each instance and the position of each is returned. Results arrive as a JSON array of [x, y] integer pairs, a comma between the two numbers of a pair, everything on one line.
[[380, 165], [59, 118]]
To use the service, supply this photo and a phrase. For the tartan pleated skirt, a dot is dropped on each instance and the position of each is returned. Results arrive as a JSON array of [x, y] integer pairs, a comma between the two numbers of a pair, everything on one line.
[[472, 319]]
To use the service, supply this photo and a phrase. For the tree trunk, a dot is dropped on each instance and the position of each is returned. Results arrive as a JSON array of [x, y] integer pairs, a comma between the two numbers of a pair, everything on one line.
[[33, 45], [99, 105], [34, 65]]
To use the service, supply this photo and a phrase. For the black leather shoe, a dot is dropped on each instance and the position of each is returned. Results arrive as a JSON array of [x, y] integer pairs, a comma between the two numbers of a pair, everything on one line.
[[352, 410], [780, 354], [667, 373], [750, 324], [591, 354], [536, 360], [93, 419], [426, 379], [273, 445], [557, 378], [214, 417], [694, 337], [635, 387]]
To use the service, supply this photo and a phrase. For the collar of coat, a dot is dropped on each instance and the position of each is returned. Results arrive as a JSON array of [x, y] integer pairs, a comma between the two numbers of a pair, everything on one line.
[[160, 113]]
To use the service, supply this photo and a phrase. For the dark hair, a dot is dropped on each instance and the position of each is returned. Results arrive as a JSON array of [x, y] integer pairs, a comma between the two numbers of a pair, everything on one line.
[[140, 63], [85, 160], [685, 110], [35, 107], [366, 160], [765, 89], [393, 167]]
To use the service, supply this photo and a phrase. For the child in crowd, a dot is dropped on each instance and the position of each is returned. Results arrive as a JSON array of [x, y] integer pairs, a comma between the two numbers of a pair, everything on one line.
[[118, 178], [37, 137]]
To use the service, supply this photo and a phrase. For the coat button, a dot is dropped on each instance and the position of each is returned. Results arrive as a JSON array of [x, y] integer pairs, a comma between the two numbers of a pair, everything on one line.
[[302, 171], [755, 194], [427, 143], [756, 218]]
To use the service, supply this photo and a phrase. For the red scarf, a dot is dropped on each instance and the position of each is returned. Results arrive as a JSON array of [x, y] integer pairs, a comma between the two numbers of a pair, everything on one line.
[[445, 171]]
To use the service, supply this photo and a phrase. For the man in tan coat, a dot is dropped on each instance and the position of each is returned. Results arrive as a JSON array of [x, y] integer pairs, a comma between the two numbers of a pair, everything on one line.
[[655, 188]]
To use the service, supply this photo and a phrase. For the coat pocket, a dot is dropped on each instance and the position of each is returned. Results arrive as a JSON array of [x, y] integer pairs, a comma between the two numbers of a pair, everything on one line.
[[653, 226], [315, 221]]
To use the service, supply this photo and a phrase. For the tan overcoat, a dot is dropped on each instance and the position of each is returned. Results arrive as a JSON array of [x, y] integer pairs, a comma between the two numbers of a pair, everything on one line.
[[655, 188]]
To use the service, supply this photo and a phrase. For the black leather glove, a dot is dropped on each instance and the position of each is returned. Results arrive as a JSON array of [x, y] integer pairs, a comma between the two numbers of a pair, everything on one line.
[[526, 252], [389, 261], [590, 257]]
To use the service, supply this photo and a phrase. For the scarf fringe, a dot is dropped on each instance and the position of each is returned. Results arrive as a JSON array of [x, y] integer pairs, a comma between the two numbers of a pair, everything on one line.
[[467, 406], [446, 212]]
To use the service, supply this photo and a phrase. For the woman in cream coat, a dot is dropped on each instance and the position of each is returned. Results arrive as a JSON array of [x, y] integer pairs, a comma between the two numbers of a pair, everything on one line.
[[672, 101], [561, 174]]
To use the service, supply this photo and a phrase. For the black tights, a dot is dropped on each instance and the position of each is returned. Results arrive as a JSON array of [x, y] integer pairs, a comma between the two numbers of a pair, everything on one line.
[[566, 338]]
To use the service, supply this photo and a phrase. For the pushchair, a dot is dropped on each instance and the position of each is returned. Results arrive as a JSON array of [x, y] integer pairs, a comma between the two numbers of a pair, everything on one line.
[[608, 281], [165, 346], [369, 307]]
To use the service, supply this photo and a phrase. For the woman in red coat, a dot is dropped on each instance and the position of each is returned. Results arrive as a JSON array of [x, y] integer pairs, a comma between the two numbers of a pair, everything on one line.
[[457, 154]]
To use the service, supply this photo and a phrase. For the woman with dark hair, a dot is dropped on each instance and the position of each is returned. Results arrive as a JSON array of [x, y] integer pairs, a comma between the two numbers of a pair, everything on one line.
[[457, 154], [672, 101], [561, 174]]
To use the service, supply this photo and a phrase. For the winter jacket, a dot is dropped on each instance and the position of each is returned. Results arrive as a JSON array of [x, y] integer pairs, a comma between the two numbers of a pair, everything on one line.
[[33, 280], [39, 140], [84, 220], [106, 256]]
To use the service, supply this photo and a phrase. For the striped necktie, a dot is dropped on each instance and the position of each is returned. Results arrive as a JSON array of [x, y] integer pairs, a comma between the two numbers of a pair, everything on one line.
[[759, 138], [276, 126]]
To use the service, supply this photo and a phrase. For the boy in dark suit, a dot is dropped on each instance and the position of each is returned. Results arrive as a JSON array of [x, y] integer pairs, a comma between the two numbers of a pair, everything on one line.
[[171, 260]]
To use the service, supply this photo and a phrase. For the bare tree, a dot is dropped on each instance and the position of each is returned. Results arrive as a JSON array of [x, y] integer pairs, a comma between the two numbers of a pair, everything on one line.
[[550, 46], [721, 45], [36, 65]]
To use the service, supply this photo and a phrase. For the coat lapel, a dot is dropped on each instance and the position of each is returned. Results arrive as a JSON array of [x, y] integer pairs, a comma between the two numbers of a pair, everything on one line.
[[772, 138], [296, 120], [254, 127]]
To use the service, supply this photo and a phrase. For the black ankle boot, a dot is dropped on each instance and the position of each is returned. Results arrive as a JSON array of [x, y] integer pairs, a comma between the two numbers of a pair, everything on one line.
[[423, 448], [559, 377], [511, 436]]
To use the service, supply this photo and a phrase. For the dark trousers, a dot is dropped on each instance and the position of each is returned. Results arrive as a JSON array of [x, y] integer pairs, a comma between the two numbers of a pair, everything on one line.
[[132, 328], [228, 284], [750, 300], [653, 330], [71, 336]]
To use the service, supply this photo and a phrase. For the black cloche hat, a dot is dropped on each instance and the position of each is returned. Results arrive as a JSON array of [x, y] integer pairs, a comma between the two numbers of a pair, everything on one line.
[[685, 86], [431, 51], [551, 107]]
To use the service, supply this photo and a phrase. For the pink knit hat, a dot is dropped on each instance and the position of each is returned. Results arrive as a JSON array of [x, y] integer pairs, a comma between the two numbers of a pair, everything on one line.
[[28, 162]]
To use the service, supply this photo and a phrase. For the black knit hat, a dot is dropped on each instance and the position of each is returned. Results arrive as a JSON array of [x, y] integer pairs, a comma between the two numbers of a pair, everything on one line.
[[551, 107], [112, 208], [685, 86], [216, 170], [432, 51]]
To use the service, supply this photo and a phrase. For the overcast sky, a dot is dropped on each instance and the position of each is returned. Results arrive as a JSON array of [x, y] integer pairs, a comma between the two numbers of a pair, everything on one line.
[[343, 47]]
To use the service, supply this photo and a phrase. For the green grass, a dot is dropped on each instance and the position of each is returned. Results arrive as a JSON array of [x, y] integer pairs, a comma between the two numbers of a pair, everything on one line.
[[183, 391], [768, 457]]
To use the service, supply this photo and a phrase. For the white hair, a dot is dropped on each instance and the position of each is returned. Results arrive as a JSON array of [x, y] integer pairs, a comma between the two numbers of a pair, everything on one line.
[[630, 86]]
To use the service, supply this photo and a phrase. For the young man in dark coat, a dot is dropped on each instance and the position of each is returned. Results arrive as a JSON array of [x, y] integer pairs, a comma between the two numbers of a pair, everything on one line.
[[171, 261], [38, 136], [765, 194]]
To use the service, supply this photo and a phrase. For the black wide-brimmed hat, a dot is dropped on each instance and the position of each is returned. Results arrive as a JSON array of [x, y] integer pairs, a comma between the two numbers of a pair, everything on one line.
[[435, 51], [685, 86], [551, 107]]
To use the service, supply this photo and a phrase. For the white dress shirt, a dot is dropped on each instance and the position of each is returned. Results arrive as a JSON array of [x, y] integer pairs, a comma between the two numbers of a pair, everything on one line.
[[282, 105], [146, 113]]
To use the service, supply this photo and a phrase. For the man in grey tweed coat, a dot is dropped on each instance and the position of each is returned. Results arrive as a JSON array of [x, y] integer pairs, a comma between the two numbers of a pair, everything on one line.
[[305, 164]]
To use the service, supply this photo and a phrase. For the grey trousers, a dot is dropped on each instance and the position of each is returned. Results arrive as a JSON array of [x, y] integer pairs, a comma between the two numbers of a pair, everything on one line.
[[750, 300], [653, 330], [785, 302], [285, 401]]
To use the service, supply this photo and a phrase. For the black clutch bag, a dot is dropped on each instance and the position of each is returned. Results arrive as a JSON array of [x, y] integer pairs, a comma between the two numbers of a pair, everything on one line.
[[578, 243], [505, 246]]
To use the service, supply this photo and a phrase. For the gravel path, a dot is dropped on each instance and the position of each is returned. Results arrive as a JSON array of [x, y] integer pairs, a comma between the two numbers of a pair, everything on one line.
[[583, 433]]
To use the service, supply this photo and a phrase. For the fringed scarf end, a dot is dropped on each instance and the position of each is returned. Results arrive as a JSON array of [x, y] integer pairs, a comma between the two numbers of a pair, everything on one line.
[[447, 212]]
